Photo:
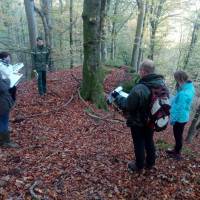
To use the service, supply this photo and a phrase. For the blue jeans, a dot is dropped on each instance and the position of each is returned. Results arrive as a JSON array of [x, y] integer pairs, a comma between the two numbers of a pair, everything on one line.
[[4, 123]]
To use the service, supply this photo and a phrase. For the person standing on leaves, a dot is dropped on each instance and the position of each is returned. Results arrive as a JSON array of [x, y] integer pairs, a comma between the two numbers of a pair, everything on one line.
[[40, 57], [180, 110], [6, 103], [137, 106]]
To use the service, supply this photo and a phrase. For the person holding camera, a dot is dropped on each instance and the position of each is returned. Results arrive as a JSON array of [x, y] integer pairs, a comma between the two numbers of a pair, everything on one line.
[[137, 105]]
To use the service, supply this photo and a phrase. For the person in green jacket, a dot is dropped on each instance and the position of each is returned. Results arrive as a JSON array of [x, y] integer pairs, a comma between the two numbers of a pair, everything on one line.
[[40, 57]]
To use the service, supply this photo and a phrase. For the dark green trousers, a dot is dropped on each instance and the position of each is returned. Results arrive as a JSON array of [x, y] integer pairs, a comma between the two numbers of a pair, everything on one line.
[[41, 82]]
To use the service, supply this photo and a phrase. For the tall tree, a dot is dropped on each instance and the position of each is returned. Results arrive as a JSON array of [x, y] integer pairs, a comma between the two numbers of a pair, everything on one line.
[[32, 27], [71, 33], [104, 12], [156, 7], [196, 28], [141, 50], [114, 31], [137, 41], [92, 84]]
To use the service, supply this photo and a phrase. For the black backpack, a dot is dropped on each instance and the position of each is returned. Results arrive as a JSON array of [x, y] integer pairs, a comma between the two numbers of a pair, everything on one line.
[[159, 109]]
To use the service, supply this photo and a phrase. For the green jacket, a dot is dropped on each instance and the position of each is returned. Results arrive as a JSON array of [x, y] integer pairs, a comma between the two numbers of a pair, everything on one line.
[[40, 58]]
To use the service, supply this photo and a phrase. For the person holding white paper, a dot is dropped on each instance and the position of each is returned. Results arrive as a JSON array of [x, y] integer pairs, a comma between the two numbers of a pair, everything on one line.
[[6, 103], [7, 72]]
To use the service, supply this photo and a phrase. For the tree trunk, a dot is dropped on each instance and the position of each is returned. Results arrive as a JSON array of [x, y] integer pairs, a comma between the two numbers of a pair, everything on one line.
[[114, 32], [71, 34], [155, 15], [92, 84], [137, 43], [46, 19], [140, 56], [104, 13], [192, 43], [152, 44], [192, 129], [32, 27]]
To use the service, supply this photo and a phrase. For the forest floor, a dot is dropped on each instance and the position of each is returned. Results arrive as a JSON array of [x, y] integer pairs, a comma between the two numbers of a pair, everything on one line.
[[71, 150]]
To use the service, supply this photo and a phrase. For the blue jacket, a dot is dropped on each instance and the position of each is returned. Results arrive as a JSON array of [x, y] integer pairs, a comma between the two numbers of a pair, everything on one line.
[[181, 103]]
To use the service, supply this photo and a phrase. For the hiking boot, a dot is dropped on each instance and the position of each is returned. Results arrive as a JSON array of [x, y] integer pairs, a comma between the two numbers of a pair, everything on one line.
[[5, 141], [10, 145], [133, 168], [174, 154], [171, 151], [149, 167]]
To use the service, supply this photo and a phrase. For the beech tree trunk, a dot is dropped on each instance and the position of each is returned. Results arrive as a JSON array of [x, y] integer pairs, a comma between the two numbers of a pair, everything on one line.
[[193, 41], [137, 41], [114, 32], [71, 34], [32, 28], [193, 126], [92, 84]]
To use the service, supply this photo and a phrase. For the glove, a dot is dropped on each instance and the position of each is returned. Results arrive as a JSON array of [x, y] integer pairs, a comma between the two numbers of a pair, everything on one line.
[[114, 94]]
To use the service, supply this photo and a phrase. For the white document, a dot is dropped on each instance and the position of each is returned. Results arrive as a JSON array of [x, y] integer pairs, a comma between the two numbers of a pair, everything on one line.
[[123, 94], [11, 72]]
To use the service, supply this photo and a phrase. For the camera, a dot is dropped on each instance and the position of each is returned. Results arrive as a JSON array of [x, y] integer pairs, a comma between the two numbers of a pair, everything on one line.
[[110, 98]]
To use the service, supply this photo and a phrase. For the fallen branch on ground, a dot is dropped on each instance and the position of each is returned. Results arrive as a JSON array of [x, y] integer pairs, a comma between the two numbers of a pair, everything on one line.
[[31, 190]]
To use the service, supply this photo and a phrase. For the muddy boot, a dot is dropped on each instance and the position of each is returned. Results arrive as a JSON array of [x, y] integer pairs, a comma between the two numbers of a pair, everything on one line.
[[5, 142]]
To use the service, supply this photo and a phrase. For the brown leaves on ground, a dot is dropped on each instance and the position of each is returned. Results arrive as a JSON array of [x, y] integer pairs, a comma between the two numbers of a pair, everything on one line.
[[66, 154]]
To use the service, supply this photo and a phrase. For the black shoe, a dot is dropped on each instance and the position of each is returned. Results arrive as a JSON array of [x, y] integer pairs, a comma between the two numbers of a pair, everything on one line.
[[170, 151], [133, 168], [149, 167]]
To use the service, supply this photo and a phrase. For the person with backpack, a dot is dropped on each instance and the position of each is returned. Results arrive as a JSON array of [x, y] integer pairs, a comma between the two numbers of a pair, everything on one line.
[[138, 108], [40, 58], [180, 110]]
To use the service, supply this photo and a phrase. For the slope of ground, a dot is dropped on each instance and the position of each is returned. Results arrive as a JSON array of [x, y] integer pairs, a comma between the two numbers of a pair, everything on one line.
[[71, 150]]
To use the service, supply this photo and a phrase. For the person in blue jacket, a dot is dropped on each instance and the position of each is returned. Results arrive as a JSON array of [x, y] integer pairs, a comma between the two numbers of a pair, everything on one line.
[[180, 110]]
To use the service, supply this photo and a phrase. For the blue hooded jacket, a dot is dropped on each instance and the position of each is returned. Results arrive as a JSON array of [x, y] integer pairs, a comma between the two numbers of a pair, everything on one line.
[[181, 103]]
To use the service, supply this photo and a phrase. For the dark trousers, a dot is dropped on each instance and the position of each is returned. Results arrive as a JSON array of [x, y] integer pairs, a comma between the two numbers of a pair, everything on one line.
[[13, 92], [143, 142], [178, 129], [4, 123], [41, 82]]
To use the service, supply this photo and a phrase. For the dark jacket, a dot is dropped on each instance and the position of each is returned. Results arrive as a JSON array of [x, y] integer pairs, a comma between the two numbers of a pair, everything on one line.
[[40, 58], [6, 101], [137, 104]]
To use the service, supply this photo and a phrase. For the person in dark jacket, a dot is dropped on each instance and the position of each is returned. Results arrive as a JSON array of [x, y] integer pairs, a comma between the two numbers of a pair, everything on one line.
[[180, 110], [137, 106], [6, 103], [5, 58], [40, 57]]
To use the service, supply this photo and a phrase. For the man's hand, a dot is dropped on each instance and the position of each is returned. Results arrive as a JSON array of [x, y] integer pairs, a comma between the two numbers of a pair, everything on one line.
[[35, 74], [114, 94]]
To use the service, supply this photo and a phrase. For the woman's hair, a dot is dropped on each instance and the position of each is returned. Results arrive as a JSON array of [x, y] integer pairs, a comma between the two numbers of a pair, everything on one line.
[[4, 55], [180, 76]]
